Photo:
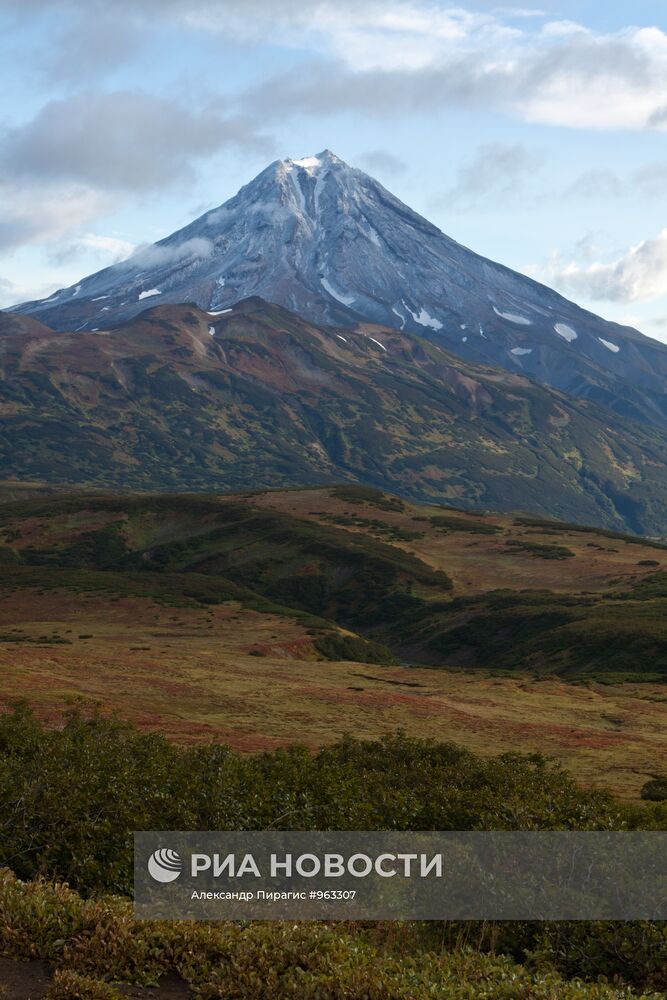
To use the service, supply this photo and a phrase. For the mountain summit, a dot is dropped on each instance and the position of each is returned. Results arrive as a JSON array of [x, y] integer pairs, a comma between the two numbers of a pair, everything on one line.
[[329, 242]]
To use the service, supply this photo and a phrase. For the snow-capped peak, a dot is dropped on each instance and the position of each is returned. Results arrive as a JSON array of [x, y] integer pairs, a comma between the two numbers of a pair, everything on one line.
[[308, 163], [329, 242]]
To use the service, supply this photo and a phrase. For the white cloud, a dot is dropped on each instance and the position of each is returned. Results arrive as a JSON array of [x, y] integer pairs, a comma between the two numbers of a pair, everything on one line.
[[108, 246], [103, 250], [517, 59], [638, 275], [12, 292], [29, 215], [151, 255], [406, 55]]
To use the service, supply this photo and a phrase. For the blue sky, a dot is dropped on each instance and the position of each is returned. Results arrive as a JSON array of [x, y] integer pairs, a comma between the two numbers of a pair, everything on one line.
[[534, 134]]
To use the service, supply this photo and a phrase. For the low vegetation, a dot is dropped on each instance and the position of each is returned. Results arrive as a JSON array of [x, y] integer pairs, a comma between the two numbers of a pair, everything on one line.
[[93, 943], [72, 797], [543, 551], [356, 563], [349, 647]]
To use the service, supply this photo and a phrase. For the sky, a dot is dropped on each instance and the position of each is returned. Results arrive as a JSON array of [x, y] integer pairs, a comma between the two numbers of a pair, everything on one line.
[[534, 134]]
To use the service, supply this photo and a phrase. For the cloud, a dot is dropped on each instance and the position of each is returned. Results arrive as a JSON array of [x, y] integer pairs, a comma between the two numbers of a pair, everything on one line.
[[120, 141], [80, 156], [110, 246], [392, 56], [88, 48], [37, 216], [497, 169], [381, 161], [7, 293], [152, 255], [649, 181], [105, 249], [597, 184], [638, 275], [521, 11], [407, 57]]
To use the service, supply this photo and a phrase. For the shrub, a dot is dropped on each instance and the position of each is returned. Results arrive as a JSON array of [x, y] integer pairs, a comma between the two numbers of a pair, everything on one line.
[[655, 790], [68, 985], [100, 940], [542, 551], [349, 647], [447, 523], [74, 796]]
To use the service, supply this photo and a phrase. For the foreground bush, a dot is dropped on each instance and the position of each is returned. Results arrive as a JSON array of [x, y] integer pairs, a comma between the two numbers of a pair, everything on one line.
[[71, 798], [93, 941]]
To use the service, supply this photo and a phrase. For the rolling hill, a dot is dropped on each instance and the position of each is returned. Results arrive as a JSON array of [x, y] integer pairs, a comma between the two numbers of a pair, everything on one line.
[[268, 618]]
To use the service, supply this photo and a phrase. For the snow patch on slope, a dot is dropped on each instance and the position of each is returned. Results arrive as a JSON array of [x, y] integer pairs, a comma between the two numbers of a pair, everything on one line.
[[521, 350], [424, 318], [400, 315], [608, 344], [300, 197], [149, 293], [346, 300], [566, 332], [513, 317]]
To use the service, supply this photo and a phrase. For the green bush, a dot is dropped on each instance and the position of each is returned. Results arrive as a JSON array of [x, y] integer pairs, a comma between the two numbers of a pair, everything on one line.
[[73, 796], [448, 523], [542, 551], [349, 647]]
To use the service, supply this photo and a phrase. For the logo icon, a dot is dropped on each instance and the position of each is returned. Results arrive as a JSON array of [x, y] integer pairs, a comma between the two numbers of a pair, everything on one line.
[[165, 865]]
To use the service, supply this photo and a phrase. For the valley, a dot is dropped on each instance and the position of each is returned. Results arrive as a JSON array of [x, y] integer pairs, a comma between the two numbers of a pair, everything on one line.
[[264, 620]]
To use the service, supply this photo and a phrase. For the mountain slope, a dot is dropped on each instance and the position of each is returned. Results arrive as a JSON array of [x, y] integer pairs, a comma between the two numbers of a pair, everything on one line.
[[256, 397], [329, 242]]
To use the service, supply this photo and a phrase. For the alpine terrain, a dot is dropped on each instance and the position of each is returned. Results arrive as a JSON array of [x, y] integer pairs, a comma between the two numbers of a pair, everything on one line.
[[256, 397], [332, 244]]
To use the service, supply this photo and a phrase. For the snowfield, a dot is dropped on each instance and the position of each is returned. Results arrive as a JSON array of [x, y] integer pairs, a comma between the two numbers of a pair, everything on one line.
[[566, 332], [513, 317]]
